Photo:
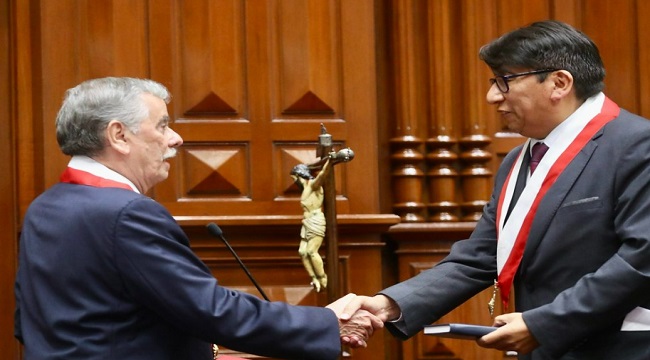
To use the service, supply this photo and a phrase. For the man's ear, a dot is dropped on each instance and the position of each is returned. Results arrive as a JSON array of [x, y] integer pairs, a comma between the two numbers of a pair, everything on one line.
[[117, 136], [562, 84]]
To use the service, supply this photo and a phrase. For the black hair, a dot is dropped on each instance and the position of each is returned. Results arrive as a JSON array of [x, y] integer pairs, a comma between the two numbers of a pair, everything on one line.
[[549, 45]]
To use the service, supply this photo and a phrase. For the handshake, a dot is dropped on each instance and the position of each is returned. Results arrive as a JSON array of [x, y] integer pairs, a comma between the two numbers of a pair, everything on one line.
[[360, 316]]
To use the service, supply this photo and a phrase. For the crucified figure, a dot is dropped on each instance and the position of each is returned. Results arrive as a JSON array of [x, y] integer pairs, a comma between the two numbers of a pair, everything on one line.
[[313, 223]]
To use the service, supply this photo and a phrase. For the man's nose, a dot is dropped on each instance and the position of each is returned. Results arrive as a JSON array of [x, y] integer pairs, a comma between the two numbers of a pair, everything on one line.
[[175, 140], [494, 95]]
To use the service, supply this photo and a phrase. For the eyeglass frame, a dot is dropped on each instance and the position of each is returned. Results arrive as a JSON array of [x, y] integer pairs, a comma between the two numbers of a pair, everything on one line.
[[506, 78]]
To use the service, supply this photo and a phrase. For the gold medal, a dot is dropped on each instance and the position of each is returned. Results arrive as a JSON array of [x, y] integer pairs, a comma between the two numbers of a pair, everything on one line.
[[493, 299]]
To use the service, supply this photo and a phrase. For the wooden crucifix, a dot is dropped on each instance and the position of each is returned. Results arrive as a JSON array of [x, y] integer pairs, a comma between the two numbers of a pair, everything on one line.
[[318, 200]]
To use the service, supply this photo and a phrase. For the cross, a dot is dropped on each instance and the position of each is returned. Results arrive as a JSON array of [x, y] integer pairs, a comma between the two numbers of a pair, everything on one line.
[[325, 151]]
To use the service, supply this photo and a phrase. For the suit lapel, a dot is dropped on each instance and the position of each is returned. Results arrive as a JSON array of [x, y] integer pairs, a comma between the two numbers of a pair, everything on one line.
[[521, 182], [554, 198]]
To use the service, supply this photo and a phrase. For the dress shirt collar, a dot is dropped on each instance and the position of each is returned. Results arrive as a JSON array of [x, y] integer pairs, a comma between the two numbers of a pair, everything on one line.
[[96, 168]]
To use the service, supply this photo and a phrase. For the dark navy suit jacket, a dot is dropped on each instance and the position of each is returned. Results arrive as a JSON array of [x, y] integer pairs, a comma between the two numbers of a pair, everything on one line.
[[107, 273]]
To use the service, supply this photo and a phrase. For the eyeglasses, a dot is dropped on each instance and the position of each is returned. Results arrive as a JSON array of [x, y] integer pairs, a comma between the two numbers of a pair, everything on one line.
[[502, 80]]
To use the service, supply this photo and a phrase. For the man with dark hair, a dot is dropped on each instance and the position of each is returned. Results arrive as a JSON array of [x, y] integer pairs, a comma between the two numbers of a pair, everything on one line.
[[568, 223]]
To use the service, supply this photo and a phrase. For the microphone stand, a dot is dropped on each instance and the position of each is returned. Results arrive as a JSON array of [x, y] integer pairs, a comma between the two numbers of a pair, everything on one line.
[[215, 230]]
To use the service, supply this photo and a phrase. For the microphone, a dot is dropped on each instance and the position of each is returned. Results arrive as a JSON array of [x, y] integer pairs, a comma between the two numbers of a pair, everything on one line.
[[215, 230]]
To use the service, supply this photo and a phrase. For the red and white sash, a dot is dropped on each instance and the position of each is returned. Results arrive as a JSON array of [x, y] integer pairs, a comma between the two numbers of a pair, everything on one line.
[[512, 234], [83, 170]]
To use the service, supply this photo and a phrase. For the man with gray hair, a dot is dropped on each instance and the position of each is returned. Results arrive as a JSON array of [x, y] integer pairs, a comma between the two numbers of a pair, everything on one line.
[[106, 272]]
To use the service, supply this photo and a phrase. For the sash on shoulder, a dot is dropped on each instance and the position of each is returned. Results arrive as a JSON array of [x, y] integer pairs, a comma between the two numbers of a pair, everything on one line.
[[513, 233], [76, 176]]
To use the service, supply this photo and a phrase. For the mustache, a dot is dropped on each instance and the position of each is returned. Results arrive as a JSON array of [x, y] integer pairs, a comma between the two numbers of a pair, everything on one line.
[[169, 154]]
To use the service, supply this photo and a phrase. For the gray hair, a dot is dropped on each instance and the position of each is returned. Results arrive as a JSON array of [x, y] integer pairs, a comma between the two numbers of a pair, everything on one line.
[[90, 106]]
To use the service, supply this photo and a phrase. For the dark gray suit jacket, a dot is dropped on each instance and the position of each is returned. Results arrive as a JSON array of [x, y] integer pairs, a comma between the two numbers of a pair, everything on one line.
[[587, 259], [107, 273]]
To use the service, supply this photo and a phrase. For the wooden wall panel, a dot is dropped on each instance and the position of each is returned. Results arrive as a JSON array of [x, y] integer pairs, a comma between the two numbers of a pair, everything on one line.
[[308, 59], [8, 180], [643, 47], [406, 140], [421, 246], [29, 150], [620, 53], [262, 82], [210, 60], [511, 14], [111, 38], [253, 82], [476, 175], [97, 39], [442, 133], [359, 104]]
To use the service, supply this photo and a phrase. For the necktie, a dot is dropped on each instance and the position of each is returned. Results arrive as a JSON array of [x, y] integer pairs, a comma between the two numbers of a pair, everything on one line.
[[538, 151]]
